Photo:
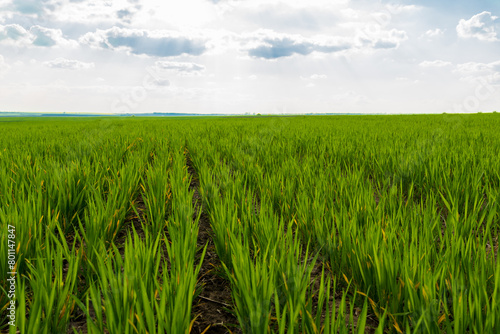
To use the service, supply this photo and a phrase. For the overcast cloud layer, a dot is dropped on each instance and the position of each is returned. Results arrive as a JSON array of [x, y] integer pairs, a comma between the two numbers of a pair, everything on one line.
[[250, 56]]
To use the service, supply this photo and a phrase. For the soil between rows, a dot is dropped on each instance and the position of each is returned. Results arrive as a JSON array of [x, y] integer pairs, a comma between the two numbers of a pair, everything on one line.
[[212, 308]]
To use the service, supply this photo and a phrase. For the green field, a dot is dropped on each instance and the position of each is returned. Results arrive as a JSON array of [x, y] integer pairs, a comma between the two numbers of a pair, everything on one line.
[[317, 224]]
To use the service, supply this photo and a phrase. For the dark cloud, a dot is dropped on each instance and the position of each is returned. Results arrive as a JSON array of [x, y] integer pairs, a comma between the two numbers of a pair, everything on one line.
[[385, 45], [158, 46], [280, 48], [127, 14], [267, 44], [286, 46], [123, 14], [142, 42]]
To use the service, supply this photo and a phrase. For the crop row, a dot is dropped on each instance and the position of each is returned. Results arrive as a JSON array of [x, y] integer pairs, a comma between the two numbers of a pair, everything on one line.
[[321, 224]]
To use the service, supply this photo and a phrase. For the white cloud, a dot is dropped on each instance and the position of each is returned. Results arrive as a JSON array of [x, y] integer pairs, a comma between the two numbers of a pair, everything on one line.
[[473, 70], [68, 64], [16, 35], [46, 37], [88, 11], [481, 26], [318, 76], [30, 7], [433, 33], [147, 14], [435, 63], [181, 68], [162, 82], [315, 77]]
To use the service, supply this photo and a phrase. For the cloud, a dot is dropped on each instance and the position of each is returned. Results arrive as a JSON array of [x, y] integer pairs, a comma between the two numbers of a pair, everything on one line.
[[432, 33], [315, 77], [268, 44], [485, 72], [160, 43], [36, 36], [31, 6], [179, 67], [280, 47], [124, 14], [318, 76], [473, 68], [45, 36], [435, 63], [383, 39], [13, 32], [73, 11], [481, 26], [68, 64], [162, 82], [127, 14]]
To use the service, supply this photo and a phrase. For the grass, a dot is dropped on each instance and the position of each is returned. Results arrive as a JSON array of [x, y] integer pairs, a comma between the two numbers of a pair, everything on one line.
[[330, 224]]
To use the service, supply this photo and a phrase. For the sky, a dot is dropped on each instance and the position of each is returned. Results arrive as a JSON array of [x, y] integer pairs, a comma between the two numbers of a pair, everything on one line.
[[250, 56]]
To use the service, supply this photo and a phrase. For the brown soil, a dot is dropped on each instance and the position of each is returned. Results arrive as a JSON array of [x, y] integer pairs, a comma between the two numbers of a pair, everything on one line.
[[212, 307]]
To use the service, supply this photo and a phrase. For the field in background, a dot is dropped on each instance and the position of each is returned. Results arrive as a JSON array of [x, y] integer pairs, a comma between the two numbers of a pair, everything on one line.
[[252, 225]]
